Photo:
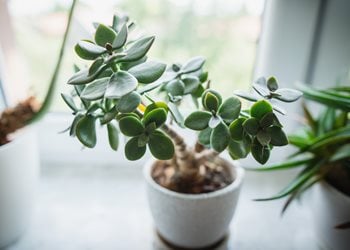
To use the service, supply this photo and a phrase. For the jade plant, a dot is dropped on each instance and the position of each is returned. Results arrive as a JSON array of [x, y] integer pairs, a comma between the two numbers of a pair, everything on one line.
[[31, 109], [323, 145], [142, 99]]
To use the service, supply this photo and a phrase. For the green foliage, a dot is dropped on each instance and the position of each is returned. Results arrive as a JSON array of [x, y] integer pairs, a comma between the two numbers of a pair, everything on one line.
[[114, 88]]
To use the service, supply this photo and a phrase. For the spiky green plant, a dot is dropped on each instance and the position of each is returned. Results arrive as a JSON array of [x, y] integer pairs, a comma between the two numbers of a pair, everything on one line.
[[323, 145], [115, 89]]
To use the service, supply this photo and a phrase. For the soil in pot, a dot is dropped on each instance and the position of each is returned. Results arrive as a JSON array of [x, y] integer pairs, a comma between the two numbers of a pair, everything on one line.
[[212, 175]]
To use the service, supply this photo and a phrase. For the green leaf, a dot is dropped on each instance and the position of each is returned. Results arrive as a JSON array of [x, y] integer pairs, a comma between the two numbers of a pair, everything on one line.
[[95, 66], [132, 151], [86, 131], [155, 105], [176, 114], [138, 49], [238, 150], [284, 165], [204, 136], [198, 120], [158, 116], [129, 102], [120, 84], [121, 38], [260, 108], [95, 90], [220, 137], [260, 153], [148, 72], [267, 120], [203, 77], [80, 77], [128, 65], [191, 84], [176, 87], [73, 127], [236, 129], [278, 137], [131, 126], [251, 126], [69, 101], [104, 34], [88, 50], [109, 116], [288, 95], [161, 145], [272, 84], [113, 136], [230, 109], [211, 102], [246, 96], [142, 140], [263, 137], [192, 65]]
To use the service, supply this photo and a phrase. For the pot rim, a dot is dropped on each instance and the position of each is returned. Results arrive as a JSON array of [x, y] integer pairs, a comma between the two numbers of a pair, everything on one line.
[[18, 136], [238, 171]]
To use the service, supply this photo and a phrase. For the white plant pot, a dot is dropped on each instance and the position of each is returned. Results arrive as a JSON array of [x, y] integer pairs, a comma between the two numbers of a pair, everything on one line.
[[193, 220], [19, 165], [329, 208]]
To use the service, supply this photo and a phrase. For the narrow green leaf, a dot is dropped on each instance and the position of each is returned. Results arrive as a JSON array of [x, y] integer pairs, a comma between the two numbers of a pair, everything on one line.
[[230, 109], [148, 72], [113, 136], [283, 166], [161, 145], [121, 83], [86, 131], [104, 34], [220, 137], [131, 126], [128, 103], [95, 90], [132, 151], [121, 38], [88, 50], [198, 120]]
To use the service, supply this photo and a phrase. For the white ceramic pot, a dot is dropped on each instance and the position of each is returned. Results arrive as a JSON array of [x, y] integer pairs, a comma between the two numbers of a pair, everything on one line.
[[329, 208], [19, 165], [193, 220]]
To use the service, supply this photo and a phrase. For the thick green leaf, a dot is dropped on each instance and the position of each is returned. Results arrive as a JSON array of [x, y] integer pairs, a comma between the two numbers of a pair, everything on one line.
[[230, 109], [109, 116], [104, 34], [191, 84], [267, 120], [121, 38], [220, 137], [121, 83], [161, 145], [192, 65], [95, 90], [80, 77], [73, 127], [158, 116], [204, 136], [238, 150], [211, 102], [128, 65], [236, 129], [247, 96], [260, 108], [113, 136], [176, 114], [155, 105], [263, 137], [203, 77], [148, 72], [138, 49], [272, 84], [131, 126], [95, 66], [288, 95], [278, 137], [69, 101], [88, 50], [132, 151], [86, 131], [251, 126], [198, 120], [260, 153], [129, 102], [176, 87]]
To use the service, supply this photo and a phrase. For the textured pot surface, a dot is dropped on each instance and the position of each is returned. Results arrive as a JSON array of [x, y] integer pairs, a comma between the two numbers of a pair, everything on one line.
[[329, 208], [19, 165], [193, 220]]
